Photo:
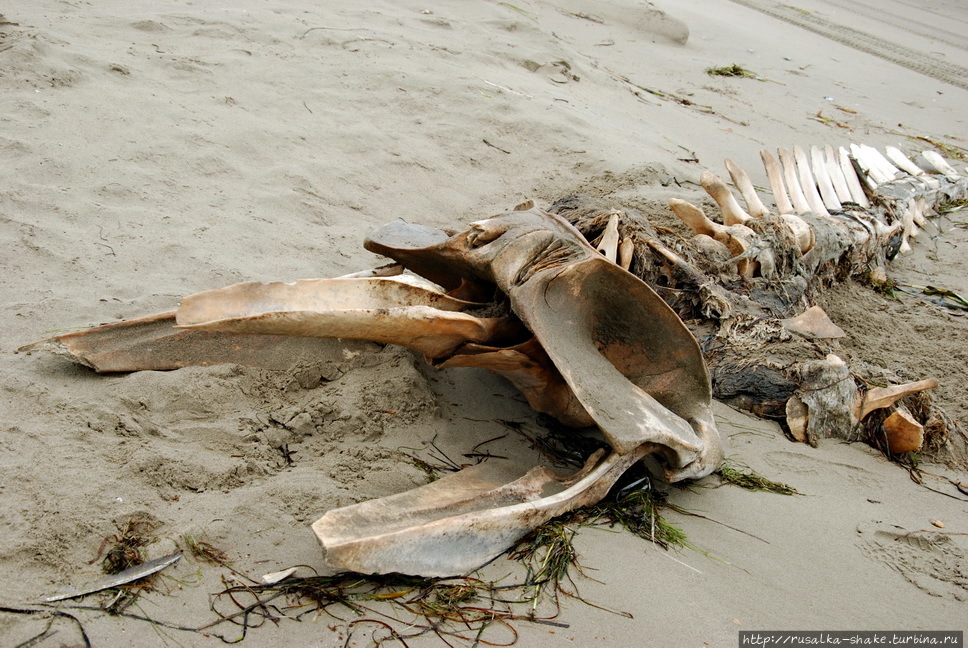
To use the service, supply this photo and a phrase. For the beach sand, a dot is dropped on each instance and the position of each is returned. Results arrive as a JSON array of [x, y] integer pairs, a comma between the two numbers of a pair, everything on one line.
[[162, 148]]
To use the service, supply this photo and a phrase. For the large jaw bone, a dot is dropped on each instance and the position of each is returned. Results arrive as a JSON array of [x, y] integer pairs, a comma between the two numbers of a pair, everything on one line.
[[378, 310], [456, 524]]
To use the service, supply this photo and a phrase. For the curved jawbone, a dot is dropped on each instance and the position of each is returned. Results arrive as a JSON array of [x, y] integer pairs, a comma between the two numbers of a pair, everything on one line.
[[623, 352]]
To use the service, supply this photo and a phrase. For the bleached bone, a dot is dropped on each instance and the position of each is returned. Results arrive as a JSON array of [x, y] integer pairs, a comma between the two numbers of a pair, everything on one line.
[[836, 175], [808, 183], [732, 213], [824, 183], [775, 175], [797, 197], [865, 156], [939, 164], [883, 164], [741, 179], [850, 177], [460, 521], [813, 323], [377, 310], [608, 246], [903, 161]]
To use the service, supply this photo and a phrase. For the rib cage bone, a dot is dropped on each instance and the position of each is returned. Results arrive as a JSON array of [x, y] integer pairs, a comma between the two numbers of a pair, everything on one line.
[[839, 213]]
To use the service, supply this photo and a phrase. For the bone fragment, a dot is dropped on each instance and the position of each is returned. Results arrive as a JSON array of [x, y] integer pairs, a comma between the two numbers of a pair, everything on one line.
[[857, 193], [389, 270], [733, 214], [800, 205], [903, 432], [276, 577], [608, 246], [813, 323], [865, 156], [735, 237], [883, 164], [626, 250], [797, 416], [824, 183], [775, 176], [129, 575], [836, 175], [741, 179], [808, 183], [903, 161], [879, 397], [940, 165]]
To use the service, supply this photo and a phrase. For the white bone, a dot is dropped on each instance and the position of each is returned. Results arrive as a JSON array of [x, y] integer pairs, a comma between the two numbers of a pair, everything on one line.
[[609, 243], [903, 161], [799, 201], [807, 182], [874, 174], [882, 163], [853, 182], [836, 175], [939, 163], [824, 182], [775, 176], [745, 186]]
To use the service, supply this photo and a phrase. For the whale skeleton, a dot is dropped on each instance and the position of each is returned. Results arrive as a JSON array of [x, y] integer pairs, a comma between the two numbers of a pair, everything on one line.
[[579, 307]]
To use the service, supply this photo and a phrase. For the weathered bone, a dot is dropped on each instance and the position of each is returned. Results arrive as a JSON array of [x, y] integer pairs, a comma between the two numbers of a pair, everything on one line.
[[797, 197], [836, 175], [733, 214], [153, 343], [808, 184], [735, 237], [880, 397], [608, 246], [903, 161], [743, 183], [853, 182], [939, 164], [824, 183], [903, 432], [377, 310], [461, 521], [775, 175], [639, 384]]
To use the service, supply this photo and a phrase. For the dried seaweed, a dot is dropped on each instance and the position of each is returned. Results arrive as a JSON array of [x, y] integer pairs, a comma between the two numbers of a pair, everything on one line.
[[745, 478], [466, 610], [733, 70]]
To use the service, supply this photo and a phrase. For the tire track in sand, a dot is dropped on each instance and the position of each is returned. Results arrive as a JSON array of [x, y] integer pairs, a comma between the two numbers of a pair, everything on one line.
[[912, 59]]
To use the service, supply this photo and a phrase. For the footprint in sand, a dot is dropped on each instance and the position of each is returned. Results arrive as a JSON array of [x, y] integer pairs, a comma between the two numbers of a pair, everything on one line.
[[804, 464], [555, 71], [933, 563]]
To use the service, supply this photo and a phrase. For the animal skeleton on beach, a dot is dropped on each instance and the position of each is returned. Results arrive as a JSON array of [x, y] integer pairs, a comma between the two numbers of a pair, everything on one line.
[[590, 335]]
